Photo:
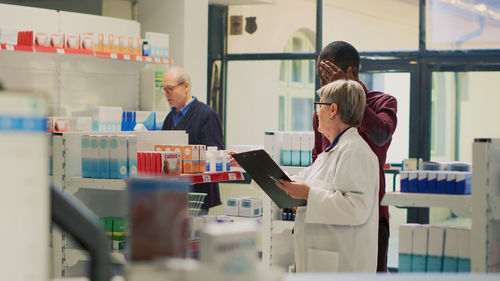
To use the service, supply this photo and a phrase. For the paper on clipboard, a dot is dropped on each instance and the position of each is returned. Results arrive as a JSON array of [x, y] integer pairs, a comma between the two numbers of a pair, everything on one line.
[[265, 172]]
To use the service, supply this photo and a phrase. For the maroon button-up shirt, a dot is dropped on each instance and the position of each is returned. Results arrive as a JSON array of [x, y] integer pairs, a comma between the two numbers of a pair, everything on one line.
[[378, 125]]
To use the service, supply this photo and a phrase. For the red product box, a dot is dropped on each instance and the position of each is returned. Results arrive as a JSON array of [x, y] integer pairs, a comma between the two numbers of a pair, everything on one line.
[[57, 40], [42, 39], [72, 41], [139, 162], [148, 163], [158, 163]]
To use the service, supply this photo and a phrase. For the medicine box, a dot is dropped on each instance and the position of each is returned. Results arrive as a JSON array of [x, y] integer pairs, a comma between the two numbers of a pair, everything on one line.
[[403, 181], [441, 182], [118, 155], [229, 247], [405, 247], [85, 144], [451, 249], [463, 182], [435, 249], [231, 208], [422, 181], [419, 248], [464, 251], [432, 182], [132, 155], [451, 180], [250, 207], [412, 181], [295, 149], [94, 157], [286, 148], [170, 163], [103, 157]]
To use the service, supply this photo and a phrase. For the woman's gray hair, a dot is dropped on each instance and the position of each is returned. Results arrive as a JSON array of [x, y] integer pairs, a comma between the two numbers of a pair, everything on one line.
[[349, 97]]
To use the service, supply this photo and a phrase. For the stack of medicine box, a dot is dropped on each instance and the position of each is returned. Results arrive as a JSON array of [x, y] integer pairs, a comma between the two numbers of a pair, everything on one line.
[[116, 229], [243, 207], [442, 182], [113, 157], [107, 118], [158, 44], [153, 163], [428, 248], [193, 157], [290, 148]]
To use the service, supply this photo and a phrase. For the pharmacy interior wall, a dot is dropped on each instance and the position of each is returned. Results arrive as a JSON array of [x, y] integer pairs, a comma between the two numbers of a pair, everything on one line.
[[186, 22]]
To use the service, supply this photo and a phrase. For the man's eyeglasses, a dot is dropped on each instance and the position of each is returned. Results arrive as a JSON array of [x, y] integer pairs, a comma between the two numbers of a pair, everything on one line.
[[317, 105], [170, 89]]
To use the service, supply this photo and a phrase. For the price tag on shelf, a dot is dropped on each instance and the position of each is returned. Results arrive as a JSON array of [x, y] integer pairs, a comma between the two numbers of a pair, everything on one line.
[[126, 57], [231, 176], [60, 51], [9, 47], [113, 56], [206, 178]]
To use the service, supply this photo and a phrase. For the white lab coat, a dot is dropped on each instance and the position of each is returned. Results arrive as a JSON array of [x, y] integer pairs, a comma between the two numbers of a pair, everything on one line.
[[338, 229]]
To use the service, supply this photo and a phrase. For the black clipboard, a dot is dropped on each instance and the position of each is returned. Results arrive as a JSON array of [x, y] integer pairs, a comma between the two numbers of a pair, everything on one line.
[[265, 172]]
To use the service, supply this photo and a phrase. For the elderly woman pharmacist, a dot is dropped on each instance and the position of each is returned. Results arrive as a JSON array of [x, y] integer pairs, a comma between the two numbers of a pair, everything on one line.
[[337, 230]]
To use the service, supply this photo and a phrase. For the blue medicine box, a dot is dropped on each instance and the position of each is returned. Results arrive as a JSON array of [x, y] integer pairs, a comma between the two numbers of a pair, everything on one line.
[[441, 182], [432, 182], [413, 181], [451, 178], [463, 183], [422, 181], [403, 175]]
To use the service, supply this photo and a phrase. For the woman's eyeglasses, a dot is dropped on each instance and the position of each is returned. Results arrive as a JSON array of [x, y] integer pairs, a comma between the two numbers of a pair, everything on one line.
[[317, 105]]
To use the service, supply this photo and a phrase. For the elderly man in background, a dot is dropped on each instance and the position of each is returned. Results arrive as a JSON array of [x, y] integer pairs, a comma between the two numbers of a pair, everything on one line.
[[199, 120]]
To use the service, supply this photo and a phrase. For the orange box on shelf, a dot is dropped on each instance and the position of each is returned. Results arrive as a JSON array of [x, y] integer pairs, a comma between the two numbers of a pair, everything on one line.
[[171, 163], [57, 40], [72, 41], [41, 39], [100, 42], [138, 46], [130, 45], [122, 44], [108, 42], [88, 41]]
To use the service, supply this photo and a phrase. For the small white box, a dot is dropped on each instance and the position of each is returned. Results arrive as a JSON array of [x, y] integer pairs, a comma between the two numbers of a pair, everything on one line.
[[118, 153], [464, 251], [80, 124], [8, 36], [94, 157], [452, 242], [231, 208], [132, 155], [250, 207], [420, 238], [103, 157], [230, 248], [85, 144], [406, 238], [435, 246]]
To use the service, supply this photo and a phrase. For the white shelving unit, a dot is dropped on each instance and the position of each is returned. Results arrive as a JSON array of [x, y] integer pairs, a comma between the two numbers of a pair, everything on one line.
[[483, 206], [459, 204]]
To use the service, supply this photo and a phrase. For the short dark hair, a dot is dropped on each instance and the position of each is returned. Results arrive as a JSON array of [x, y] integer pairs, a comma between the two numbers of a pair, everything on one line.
[[343, 53]]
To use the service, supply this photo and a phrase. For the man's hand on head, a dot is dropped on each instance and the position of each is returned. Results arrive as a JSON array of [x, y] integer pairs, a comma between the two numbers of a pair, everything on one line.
[[329, 72]]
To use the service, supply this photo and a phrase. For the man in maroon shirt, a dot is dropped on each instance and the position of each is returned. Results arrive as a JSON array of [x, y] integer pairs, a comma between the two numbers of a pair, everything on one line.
[[340, 60]]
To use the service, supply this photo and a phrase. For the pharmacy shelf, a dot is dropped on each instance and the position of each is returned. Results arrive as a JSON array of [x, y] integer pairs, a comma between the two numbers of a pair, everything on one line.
[[459, 204], [73, 184], [257, 220], [495, 206], [83, 52], [292, 170], [280, 226], [214, 177], [73, 256]]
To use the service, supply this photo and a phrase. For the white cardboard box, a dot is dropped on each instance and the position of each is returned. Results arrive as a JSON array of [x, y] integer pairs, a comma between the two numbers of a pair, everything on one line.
[[250, 207]]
